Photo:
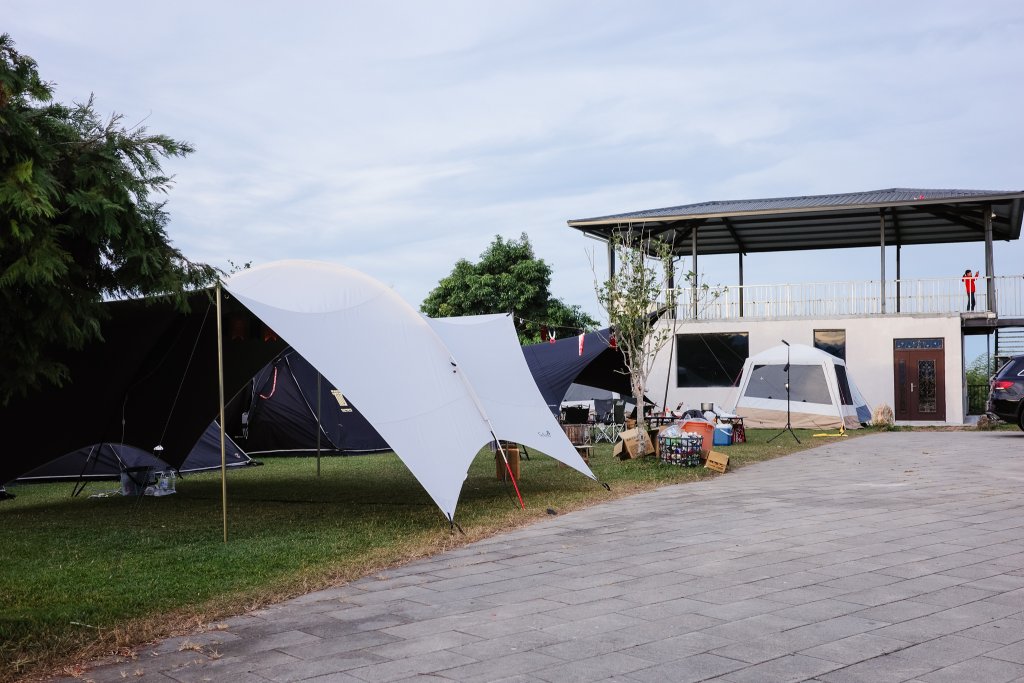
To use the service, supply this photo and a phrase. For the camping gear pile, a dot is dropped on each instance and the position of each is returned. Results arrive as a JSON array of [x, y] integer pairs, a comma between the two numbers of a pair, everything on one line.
[[685, 438]]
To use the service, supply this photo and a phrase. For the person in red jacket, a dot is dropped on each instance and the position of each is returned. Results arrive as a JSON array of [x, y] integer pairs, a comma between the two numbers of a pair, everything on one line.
[[970, 285]]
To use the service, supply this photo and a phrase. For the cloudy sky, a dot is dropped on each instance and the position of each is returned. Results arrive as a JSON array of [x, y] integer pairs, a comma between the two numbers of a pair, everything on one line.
[[397, 137]]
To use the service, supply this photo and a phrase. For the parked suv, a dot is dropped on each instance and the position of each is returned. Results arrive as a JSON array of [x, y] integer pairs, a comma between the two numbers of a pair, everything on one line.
[[1006, 390]]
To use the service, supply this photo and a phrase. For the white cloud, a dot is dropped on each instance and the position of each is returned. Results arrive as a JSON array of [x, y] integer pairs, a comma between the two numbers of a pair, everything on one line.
[[401, 136]]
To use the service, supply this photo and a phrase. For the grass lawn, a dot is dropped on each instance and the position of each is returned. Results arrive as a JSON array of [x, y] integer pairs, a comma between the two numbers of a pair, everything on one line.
[[85, 577]]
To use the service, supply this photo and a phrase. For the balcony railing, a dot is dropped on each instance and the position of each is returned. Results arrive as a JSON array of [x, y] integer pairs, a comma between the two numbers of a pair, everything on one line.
[[863, 297]]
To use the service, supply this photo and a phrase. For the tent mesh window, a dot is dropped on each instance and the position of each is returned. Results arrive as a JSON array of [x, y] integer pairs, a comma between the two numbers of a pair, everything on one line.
[[711, 360], [844, 386], [806, 383]]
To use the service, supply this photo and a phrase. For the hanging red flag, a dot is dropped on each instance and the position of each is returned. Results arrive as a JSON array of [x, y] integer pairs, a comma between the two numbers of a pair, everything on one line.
[[581, 344], [543, 333], [611, 341]]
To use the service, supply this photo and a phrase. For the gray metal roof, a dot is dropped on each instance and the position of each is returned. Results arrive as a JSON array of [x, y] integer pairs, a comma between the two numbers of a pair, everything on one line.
[[912, 216]]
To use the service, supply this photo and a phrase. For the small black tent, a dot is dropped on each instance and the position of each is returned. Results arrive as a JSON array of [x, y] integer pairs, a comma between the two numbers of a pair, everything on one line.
[[557, 365], [108, 460], [277, 413]]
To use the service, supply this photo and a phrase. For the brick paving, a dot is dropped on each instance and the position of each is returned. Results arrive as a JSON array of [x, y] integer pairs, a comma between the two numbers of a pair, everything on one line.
[[889, 557]]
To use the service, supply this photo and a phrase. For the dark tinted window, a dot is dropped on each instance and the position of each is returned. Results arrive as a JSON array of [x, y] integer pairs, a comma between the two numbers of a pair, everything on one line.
[[806, 383], [710, 360], [831, 341], [1013, 368]]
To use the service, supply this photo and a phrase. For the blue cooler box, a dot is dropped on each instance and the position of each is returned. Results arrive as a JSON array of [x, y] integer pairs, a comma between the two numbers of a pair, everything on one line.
[[723, 435]]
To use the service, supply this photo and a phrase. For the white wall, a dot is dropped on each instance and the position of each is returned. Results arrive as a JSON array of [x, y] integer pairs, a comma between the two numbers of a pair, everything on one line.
[[869, 355]]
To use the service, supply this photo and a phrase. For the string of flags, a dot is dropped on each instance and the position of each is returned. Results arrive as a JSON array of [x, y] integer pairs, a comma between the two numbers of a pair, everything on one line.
[[550, 334]]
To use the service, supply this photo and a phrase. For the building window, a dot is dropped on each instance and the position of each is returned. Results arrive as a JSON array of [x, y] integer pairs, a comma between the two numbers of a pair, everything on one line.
[[710, 360], [831, 341]]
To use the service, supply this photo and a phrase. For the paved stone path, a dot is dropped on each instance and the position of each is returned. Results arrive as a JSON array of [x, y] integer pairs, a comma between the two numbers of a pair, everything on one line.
[[890, 557]]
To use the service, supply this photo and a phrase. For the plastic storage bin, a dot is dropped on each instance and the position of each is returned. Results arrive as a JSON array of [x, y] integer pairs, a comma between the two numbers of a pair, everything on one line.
[[702, 427], [723, 435]]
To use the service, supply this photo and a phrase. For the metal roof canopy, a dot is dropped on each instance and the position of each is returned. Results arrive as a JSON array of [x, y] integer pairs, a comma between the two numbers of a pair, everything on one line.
[[837, 221], [895, 217]]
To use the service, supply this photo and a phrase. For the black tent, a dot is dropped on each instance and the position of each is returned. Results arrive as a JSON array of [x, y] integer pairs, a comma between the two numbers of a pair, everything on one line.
[[277, 412], [108, 460], [557, 365], [151, 381]]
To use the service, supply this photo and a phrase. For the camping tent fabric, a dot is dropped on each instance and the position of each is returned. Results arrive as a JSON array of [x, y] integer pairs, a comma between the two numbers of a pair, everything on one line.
[[280, 409], [152, 380], [556, 366], [822, 395], [362, 336], [581, 393], [108, 460], [487, 350]]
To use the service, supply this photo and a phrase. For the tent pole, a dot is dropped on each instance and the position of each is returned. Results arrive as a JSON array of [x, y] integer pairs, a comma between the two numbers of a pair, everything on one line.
[[671, 349], [220, 387], [318, 427], [508, 468], [483, 414]]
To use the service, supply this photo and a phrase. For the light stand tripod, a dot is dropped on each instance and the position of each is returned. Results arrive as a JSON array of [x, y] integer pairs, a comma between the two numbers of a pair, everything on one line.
[[788, 427]]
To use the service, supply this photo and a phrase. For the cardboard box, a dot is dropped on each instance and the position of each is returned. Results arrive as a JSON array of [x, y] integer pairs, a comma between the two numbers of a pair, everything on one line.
[[655, 434], [717, 461], [632, 443]]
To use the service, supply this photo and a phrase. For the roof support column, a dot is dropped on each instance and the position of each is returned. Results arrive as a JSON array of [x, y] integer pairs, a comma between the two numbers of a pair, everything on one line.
[[670, 295], [881, 215], [898, 276], [611, 256], [741, 283], [990, 282], [693, 284]]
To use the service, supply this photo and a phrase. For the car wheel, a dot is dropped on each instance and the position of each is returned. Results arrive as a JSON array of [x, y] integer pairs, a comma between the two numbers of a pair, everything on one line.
[[1020, 420]]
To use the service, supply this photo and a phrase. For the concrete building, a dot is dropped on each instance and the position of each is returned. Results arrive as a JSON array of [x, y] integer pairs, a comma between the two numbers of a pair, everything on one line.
[[902, 340]]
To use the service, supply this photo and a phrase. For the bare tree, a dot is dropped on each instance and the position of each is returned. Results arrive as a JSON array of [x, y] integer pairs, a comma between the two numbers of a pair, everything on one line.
[[633, 298]]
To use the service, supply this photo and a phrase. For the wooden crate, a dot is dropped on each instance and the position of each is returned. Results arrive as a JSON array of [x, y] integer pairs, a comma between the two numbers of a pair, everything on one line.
[[512, 453]]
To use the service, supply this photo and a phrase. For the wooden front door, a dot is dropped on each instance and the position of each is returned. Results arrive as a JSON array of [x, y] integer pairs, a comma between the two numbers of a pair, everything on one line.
[[919, 367]]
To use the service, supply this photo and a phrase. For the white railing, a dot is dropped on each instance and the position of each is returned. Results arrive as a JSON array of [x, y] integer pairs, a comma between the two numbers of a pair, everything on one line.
[[863, 297]]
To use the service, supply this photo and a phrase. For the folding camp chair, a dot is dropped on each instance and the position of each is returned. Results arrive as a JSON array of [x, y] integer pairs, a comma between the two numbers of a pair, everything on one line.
[[614, 423], [603, 430]]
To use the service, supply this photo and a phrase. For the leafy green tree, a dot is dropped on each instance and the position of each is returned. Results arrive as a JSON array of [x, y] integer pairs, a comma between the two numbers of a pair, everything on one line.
[[509, 278], [78, 223]]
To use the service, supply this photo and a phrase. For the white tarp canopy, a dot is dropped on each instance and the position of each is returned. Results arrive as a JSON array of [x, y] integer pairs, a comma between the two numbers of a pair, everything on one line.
[[821, 392], [406, 381], [487, 349]]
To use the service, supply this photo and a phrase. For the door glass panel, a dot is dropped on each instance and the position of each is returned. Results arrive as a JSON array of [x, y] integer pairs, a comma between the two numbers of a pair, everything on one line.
[[902, 389], [926, 402]]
